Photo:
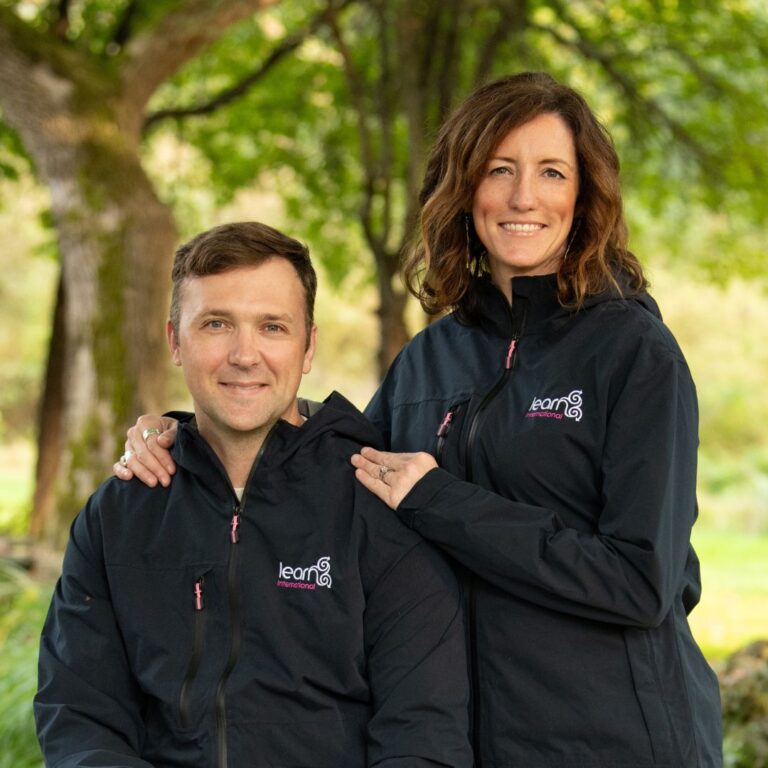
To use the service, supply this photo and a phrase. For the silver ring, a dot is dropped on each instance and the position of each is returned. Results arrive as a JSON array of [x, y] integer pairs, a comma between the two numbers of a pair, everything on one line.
[[150, 431], [125, 458], [384, 471]]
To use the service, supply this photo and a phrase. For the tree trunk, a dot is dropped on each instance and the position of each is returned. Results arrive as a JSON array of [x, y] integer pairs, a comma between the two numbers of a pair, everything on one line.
[[80, 116], [110, 363], [49, 424], [107, 360], [393, 332]]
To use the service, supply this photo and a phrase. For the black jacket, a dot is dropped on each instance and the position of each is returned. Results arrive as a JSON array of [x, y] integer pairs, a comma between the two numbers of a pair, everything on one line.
[[578, 432], [304, 626]]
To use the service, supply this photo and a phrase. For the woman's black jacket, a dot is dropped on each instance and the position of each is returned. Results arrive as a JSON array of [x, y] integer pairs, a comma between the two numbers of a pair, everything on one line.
[[567, 492]]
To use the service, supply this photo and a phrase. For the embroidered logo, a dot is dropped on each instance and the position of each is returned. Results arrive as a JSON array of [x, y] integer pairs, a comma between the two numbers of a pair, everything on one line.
[[309, 577], [568, 406]]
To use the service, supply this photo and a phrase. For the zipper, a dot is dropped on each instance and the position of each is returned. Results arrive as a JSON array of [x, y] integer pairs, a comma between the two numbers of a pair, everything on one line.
[[235, 619], [197, 654], [490, 396], [475, 424], [235, 635], [474, 428], [442, 432]]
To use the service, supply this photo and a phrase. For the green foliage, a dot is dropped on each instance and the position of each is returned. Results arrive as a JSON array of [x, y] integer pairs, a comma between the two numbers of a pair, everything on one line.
[[14, 159], [27, 285], [744, 692], [294, 132], [22, 607], [16, 482], [720, 329], [679, 85]]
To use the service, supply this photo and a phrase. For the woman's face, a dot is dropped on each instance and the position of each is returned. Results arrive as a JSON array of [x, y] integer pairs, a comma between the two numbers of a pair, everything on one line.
[[524, 205]]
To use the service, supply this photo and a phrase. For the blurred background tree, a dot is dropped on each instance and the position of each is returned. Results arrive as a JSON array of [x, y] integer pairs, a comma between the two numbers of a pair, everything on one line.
[[333, 104], [128, 125]]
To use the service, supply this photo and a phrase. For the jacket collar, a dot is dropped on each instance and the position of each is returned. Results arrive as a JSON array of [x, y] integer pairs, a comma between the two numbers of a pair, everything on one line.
[[334, 415], [535, 302]]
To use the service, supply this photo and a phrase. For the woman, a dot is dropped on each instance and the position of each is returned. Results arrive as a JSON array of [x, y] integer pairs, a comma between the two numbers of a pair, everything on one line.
[[546, 439]]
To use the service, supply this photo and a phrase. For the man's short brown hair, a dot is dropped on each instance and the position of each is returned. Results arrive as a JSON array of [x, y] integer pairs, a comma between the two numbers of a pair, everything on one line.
[[241, 244]]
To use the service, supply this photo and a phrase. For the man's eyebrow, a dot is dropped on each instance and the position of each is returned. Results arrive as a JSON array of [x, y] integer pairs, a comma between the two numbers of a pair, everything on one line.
[[262, 316]]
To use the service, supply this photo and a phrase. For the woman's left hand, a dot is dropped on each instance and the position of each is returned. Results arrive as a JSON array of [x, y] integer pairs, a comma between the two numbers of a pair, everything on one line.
[[391, 476]]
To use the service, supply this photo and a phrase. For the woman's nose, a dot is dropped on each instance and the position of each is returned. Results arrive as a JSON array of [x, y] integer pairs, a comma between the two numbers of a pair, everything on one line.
[[522, 194]]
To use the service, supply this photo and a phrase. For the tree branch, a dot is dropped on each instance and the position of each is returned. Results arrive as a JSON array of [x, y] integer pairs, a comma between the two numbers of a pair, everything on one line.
[[123, 28], [61, 26], [646, 105], [513, 22], [153, 56], [357, 92], [385, 103], [447, 74], [239, 89], [38, 74]]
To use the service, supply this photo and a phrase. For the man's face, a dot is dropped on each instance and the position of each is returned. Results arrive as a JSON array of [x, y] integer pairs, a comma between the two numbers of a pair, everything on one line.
[[242, 343]]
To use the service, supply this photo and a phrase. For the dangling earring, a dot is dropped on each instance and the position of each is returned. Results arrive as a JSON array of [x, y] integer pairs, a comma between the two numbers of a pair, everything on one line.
[[574, 232], [473, 262], [466, 231]]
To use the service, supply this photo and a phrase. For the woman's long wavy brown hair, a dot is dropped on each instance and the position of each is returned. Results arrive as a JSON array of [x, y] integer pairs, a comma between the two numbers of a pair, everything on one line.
[[447, 257]]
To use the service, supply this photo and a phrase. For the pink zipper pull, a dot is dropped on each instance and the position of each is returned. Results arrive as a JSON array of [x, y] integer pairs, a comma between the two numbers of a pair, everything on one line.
[[235, 527], [510, 353], [199, 595], [443, 428]]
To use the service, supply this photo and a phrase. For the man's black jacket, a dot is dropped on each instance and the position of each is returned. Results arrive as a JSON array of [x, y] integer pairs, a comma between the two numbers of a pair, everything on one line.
[[302, 626]]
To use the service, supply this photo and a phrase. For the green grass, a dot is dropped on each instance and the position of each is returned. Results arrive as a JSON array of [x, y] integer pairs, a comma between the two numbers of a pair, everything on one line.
[[23, 604], [734, 604]]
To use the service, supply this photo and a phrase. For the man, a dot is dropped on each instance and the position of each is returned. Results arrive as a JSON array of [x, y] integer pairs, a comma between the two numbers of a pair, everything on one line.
[[264, 609]]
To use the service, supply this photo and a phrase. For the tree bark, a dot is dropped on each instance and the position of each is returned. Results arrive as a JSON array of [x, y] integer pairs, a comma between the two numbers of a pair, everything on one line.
[[80, 119]]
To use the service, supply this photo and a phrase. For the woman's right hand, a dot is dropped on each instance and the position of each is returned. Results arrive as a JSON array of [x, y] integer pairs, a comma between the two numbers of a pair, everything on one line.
[[146, 451]]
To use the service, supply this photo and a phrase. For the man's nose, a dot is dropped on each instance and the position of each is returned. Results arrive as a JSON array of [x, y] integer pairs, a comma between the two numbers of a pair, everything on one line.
[[246, 349]]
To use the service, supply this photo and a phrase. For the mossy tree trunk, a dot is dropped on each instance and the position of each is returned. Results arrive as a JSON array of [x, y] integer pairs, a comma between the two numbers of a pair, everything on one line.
[[80, 117], [115, 239]]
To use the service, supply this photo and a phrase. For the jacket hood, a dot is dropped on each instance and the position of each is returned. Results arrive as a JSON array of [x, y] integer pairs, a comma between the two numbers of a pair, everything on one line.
[[334, 416], [535, 300]]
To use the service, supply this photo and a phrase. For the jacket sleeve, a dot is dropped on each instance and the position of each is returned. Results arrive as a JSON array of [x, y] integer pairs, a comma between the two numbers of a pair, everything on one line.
[[629, 570], [87, 707], [417, 664]]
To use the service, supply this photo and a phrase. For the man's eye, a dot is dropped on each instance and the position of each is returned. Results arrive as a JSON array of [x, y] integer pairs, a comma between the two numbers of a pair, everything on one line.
[[273, 328], [215, 324]]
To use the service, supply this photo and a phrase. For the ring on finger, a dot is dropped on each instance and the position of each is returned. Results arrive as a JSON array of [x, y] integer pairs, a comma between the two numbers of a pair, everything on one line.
[[384, 471], [125, 458], [150, 431]]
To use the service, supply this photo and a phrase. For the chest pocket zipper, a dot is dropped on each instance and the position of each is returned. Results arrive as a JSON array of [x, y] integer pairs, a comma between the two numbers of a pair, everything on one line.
[[447, 424], [198, 640]]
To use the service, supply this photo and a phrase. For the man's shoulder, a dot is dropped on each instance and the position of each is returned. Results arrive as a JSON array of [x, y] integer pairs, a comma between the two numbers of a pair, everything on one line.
[[118, 504]]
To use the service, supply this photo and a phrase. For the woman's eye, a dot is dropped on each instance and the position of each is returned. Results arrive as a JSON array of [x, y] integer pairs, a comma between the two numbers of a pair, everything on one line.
[[553, 173], [500, 171]]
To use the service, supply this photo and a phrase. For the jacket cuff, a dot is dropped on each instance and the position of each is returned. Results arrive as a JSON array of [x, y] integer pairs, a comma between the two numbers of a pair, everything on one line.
[[421, 495]]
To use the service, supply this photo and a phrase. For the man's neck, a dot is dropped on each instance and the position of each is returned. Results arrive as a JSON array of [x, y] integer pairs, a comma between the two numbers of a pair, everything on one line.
[[238, 461], [237, 452]]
